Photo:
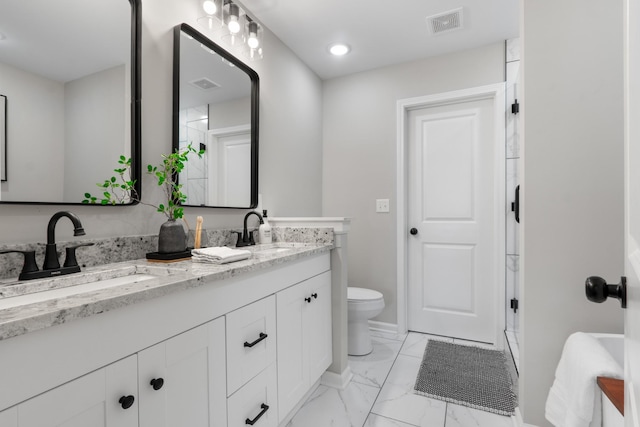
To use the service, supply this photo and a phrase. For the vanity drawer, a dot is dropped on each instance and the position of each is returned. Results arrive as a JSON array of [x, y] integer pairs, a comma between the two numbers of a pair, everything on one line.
[[251, 341], [256, 403]]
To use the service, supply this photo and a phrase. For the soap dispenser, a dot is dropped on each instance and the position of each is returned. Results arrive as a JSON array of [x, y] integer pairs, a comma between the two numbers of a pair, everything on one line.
[[264, 231]]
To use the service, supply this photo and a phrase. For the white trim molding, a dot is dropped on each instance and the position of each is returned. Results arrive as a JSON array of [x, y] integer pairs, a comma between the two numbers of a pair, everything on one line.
[[404, 106]]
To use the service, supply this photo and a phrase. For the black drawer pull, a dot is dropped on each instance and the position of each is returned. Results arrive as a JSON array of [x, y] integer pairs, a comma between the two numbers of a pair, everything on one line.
[[314, 295], [262, 336], [126, 401], [308, 299], [265, 408]]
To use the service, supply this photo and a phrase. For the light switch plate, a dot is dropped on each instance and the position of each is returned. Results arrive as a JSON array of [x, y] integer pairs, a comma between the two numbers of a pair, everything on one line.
[[382, 205]]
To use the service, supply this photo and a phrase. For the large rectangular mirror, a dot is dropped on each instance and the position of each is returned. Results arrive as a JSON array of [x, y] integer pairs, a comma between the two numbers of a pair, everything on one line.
[[71, 71], [215, 108]]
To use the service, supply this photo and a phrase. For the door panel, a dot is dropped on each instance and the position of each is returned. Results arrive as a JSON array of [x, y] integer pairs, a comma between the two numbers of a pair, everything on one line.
[[632, 211], [89, 401], [453, 189]]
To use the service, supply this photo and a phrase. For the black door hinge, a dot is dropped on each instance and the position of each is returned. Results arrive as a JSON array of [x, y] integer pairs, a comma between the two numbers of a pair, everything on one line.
[[514, 305], [203, 147], [515, 107]]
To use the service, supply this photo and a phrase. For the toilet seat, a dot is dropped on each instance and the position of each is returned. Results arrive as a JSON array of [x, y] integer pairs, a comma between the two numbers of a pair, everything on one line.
[[356, 295]]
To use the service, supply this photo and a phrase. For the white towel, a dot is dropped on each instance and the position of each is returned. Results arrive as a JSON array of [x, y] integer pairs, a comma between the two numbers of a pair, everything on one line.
[[219, 255], [573, 400]]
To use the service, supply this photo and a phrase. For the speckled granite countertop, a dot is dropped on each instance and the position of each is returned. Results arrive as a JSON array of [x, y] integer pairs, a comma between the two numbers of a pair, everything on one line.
[[40, 311]]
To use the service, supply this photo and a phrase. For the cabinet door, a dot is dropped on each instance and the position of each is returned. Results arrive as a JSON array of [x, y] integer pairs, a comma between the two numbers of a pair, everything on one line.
[[318, 326], [9, 417], [89, 401], [255, 402], [251, 341], [191, 368], [293, 369]]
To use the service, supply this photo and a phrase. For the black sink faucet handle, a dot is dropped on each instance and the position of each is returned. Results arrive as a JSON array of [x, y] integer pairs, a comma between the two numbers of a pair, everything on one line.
[[70, 260], [29, 260]]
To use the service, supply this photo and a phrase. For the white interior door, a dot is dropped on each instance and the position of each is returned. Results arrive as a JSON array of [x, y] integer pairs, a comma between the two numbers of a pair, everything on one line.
[[456, 179], [230, 166], [632, 212]]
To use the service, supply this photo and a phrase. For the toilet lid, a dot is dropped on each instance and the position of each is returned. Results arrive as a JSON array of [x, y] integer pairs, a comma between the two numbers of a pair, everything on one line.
[[362, 294]]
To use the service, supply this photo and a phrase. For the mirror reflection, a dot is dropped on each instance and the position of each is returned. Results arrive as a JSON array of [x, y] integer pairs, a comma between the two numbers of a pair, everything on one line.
[[216, 112], [67, 71]]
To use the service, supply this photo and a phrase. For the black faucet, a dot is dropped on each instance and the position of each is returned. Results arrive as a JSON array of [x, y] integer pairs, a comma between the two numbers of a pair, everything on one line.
[[51, 266], [246, 239], [51, 261]]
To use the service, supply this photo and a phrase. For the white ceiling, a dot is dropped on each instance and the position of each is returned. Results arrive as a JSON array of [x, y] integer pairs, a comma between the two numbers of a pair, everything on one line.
[[65, 39], [380, 33]]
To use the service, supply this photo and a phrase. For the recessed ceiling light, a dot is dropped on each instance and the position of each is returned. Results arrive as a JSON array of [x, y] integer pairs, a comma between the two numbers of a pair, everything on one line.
[[339, 49]]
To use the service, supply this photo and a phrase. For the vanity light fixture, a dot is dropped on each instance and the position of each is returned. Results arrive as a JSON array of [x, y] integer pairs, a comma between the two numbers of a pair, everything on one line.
[[339, 49], [232, 24]]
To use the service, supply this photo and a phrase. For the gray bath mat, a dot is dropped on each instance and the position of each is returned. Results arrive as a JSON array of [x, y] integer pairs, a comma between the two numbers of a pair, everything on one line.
[[468, 376]]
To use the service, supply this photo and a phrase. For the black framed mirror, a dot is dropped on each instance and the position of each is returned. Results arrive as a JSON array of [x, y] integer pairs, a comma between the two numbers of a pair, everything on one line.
[[215, 109], [73, 75]]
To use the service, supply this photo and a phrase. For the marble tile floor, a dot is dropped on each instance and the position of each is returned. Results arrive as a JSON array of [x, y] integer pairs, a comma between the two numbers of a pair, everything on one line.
[[381, 393]]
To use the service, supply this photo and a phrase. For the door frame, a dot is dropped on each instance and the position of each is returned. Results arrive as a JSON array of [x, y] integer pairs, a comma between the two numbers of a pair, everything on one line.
[[496, 92]]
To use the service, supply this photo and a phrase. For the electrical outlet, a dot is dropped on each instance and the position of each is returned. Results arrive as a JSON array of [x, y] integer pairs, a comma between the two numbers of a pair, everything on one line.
[[382, 205]]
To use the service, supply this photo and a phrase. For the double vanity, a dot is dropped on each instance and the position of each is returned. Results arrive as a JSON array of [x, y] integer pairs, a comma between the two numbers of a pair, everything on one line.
[[148, 344]]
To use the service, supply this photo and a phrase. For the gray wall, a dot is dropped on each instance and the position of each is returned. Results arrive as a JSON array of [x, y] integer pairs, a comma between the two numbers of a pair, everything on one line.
[[572, 218], [35, 136], [95, 129], [290, 140], [359, 157]]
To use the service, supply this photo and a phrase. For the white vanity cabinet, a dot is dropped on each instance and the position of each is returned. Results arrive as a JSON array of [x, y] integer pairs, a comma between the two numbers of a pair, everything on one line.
[[181, 381], [214, 355], [103, 398], [304, 338]]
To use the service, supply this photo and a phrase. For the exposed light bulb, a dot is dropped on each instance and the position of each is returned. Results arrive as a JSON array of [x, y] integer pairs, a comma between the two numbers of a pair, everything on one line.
[[209, 7], [234, 25], [234, 15]]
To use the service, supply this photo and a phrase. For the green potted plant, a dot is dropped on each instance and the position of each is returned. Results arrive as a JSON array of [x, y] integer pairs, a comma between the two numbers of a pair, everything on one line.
[[121, 188]]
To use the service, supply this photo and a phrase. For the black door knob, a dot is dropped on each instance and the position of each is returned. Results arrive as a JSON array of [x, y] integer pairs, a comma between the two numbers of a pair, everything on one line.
[[126, 401], [597, 290], [413, 231], [157, 383]]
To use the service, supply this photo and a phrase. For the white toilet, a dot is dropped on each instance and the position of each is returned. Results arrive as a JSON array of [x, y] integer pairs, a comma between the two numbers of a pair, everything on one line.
[[362, 305]]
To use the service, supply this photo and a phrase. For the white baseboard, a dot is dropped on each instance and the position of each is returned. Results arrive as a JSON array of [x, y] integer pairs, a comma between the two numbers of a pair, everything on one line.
[[339, 381], [389, 328]]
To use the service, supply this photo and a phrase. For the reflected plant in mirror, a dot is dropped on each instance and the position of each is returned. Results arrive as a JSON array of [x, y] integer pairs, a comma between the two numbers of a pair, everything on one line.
[[215, 109], [75, 92]]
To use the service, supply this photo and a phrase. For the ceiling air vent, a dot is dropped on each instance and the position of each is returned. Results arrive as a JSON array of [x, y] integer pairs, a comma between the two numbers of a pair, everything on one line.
[[204, 83], [445, 22]]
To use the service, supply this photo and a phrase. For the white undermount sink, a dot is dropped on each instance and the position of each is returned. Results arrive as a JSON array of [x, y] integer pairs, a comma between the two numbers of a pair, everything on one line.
[[30, 292]]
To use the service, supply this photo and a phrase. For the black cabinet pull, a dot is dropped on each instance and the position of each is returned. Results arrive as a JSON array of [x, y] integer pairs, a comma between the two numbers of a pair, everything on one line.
[[126, 401], [308, 299], [157, 383], [262, 336], [314, 295], [265, 408]]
